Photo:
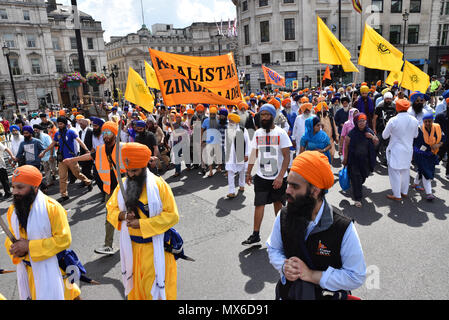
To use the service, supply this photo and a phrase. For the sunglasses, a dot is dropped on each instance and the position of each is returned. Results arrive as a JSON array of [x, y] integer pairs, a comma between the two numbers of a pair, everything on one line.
[[107, 133]]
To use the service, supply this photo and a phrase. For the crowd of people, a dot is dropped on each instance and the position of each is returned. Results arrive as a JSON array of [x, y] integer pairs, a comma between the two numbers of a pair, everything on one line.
[[283, 143]]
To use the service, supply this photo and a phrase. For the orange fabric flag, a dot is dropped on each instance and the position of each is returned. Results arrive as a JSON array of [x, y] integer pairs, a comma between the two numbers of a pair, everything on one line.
[[186, 79], [272, 77], [327, 74]]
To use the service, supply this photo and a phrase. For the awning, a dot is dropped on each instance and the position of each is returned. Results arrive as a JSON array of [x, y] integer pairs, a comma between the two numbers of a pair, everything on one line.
[[419, 62]]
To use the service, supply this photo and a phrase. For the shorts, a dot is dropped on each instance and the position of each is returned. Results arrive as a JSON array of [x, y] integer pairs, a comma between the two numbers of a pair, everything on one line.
[[265, 194], [433, 94]]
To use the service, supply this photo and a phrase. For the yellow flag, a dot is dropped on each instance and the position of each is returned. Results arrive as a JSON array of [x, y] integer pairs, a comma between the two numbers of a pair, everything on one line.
[[151, 77], [394, 76], [378, 53], [331, 51], [414, 79], [137, 91]]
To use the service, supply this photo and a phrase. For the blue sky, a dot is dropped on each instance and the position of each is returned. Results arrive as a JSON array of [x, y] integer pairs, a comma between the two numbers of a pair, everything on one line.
[[120, 17]]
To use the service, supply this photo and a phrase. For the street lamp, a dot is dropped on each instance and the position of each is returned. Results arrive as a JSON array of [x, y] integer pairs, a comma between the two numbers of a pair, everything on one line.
[[405, 19], [219, 36], [113, 74], [6, 53]]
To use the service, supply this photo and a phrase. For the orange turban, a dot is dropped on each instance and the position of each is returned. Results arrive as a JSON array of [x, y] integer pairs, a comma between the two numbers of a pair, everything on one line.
[[447, 100], [27, 174], [213, 109], [364, 89], [111, 126], [62, 113], [275, 103], [320, 106], [79, 117], [242, 105], [234, 117], [135, 155], [252, 95], [190, 111], [285, 101], [199, 107], [379, 83], [306, 106], [364, 84], [402, 105], [304, 100], [314, 167]]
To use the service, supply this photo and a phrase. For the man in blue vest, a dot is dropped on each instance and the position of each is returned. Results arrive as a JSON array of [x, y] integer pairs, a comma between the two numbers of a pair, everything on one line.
[[315, 249]]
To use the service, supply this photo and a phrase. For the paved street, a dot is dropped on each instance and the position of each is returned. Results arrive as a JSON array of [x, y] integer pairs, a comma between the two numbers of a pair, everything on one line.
[[404, 244]]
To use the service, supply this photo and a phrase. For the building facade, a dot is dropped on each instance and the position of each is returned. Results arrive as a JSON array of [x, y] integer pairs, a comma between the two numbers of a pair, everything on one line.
[[40, 37], [282, 34], [198, 39]]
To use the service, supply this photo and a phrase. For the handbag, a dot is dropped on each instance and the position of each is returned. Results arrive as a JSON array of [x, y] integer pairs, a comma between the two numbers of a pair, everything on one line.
[[343, 179]]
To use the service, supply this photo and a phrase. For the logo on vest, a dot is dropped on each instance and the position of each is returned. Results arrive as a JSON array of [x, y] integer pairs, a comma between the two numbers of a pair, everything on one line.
[[322, 250]]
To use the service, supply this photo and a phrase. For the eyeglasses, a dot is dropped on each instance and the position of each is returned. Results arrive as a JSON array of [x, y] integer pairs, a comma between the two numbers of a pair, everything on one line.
[[107, 133]]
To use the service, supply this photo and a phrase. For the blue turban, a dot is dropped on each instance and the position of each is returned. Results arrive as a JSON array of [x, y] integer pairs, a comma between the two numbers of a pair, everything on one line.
[[417, 94], [140, 124], [427, 116], [97, 121], [253, 99], [446, 94], [14, 127], [270, 108], [223, 112], [29, 129]]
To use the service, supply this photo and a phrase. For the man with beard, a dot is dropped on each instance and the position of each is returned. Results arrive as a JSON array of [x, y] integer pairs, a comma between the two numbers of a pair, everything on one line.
[[40, 224], [3, 172], [365, 104], [246, 119], [147, 138], [271, 149], [149, 212], [401, 130], [16, 140], [315, 249], [299, 127], [66, 139], [86, 135], [210, 129], [29, 149], [341, 116], [382, 114], [419, 106], [105, 160], [46, 141]]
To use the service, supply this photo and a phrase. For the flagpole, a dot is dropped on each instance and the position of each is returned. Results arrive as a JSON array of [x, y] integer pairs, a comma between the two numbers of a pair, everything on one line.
[[321, 80]]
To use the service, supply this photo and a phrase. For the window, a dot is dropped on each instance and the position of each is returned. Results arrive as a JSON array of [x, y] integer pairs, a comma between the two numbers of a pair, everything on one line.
[[26, 15], [245, 6], [59, 66], [443, 34], [266, 58], [35, 66], [90, 43], [247, 60], [73, 44], [14, 63], [75, 65], [378, 5], [56, 45], [93, 66], [413, 34], [31, 41], [395, 34], [415, 6], [3, 14], [344, 27], [246, 34], [289, 1], [263, 3], [378, 29], [9, 40], [265, 31], [396, 6], [290, 56], [289, 29]]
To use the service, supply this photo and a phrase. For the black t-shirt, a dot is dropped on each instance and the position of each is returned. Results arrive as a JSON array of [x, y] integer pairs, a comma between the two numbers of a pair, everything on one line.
[[148, 139], [384, 113]]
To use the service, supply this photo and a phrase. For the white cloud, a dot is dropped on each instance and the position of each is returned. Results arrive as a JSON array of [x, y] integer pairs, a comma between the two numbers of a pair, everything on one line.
[[190, 11]]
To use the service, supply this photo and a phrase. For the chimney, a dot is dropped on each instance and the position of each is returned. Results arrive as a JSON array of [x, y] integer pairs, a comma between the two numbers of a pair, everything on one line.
[[51, 5]]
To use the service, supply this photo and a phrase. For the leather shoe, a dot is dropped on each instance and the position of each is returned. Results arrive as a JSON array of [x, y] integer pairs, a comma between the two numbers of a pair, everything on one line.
[[392, 197]]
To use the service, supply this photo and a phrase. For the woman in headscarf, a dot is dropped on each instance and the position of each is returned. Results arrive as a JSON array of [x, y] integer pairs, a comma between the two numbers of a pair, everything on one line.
[[361, 155], [328, 123], [347, 127], [315, 139], [425, 154]]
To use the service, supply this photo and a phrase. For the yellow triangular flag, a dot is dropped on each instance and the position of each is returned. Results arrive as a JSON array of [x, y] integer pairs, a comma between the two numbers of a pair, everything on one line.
[[151, 77], [394, 76], [378, 53], [414, 79], [137, 91], [331, 51]]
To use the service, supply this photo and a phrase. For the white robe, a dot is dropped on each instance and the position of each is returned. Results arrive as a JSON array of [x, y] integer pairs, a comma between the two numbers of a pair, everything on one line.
[[299, 128], [231, 161]]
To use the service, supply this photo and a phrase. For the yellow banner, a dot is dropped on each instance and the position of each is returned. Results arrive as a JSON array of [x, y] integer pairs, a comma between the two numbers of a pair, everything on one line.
[[187, 79], [414, 79], [394, 76], [137, 91], [378, 53], [331, 51], [295, 85], [151, 77]]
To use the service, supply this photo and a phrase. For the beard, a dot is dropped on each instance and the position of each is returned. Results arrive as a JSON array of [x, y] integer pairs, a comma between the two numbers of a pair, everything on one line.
[[134, 187], [267, 124], [302, 206], [418, 107], [22, 206], [96, 132]]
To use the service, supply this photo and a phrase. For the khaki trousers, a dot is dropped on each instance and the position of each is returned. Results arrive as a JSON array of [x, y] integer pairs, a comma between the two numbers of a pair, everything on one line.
[[64, 173]]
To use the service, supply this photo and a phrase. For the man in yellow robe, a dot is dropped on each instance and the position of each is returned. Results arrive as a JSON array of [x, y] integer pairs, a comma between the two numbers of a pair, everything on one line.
[[144, 228], [25, 183]]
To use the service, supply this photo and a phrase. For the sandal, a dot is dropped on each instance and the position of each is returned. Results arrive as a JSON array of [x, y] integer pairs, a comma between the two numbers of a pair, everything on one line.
[[358, 204], [430, 197], [231, 196], [417, 187]]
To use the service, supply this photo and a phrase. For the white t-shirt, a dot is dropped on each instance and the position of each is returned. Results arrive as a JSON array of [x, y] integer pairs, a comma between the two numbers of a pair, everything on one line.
[[270, 158], [2, 160]]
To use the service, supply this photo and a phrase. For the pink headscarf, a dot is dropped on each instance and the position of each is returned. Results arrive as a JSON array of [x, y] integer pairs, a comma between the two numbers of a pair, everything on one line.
[[349, 125]]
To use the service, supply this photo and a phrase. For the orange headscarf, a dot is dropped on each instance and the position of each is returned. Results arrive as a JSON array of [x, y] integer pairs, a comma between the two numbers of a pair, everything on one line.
[[402, 105], [314, 167], [430, 139], [285, 101], [135, 155], [27, 174]]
